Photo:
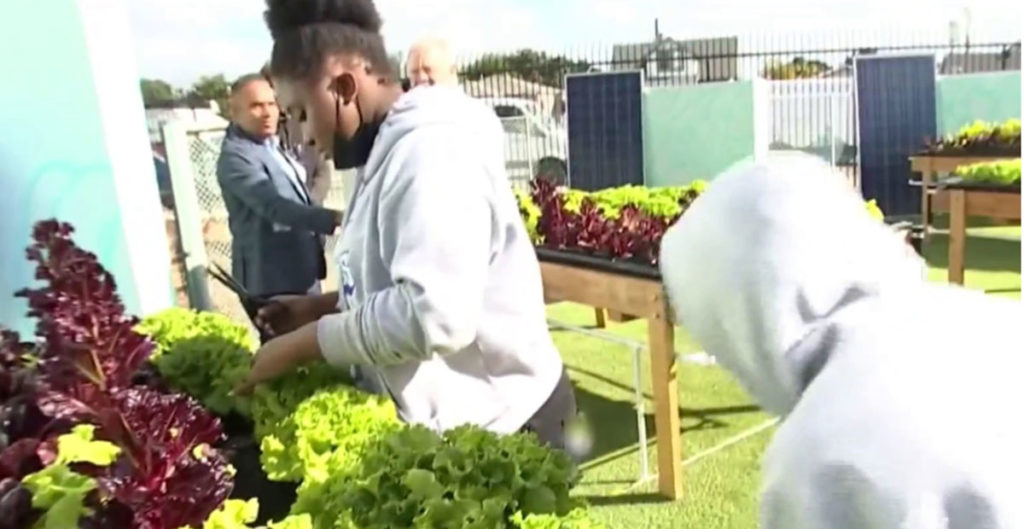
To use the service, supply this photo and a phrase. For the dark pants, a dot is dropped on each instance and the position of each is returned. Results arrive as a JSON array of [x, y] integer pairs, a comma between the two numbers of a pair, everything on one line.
[[549, 422]]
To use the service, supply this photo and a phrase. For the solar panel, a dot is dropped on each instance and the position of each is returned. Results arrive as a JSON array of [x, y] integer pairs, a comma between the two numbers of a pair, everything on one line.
[[895, 113], [605, 129]]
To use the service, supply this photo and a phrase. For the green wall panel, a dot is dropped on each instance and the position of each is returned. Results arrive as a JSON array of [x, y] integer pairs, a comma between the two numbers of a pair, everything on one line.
[[963, 99], [695, 132], [73, 146]]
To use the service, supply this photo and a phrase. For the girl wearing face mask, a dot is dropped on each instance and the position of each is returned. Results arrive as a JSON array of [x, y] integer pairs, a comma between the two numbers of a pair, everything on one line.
[[441, 299]]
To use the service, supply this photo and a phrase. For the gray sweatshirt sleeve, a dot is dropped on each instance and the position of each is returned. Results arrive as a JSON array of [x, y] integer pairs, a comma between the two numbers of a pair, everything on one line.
[[435, 222]]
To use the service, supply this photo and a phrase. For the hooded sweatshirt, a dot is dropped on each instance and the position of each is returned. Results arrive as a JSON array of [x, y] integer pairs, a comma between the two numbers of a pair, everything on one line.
[[440, 287], [901, 399]]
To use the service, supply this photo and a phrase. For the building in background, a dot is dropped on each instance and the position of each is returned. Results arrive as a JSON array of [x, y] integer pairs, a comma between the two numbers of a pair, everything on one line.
[[548, 99], [201, 117], [668, 61], [1008, 58]]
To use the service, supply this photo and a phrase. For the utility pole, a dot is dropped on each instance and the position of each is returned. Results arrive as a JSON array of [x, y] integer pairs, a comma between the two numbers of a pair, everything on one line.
[[967, 33]]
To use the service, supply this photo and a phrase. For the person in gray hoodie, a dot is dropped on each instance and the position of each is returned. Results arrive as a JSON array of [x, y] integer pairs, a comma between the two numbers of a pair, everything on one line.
[[440, 287], [899, 396]]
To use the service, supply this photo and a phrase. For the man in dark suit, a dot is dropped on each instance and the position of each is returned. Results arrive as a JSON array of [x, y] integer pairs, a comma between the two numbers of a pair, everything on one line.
[[276, 229]]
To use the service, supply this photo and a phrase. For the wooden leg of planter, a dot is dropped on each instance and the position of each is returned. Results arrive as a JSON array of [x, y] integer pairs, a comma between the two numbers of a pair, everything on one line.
[[666, 406], [599, 317], [926, 204], [957, 235]]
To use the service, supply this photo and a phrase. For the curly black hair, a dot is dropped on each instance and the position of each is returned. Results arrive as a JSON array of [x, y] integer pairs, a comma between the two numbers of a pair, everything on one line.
[[307, 31]]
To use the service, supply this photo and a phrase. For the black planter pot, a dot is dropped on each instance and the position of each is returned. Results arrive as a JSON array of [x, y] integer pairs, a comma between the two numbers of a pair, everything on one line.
[[275, 497], [236, 426]]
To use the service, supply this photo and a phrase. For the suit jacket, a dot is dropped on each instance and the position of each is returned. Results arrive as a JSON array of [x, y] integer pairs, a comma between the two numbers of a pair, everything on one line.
[[276, 233]]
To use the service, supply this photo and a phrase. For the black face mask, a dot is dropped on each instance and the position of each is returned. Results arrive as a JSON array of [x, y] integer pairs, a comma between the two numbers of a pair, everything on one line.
[[354, 152]]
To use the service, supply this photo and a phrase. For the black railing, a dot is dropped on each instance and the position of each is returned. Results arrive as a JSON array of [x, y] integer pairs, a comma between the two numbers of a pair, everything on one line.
[[812, 112]]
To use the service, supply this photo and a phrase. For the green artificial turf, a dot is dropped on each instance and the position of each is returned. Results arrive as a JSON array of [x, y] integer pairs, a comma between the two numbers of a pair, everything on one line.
[[721, 489]]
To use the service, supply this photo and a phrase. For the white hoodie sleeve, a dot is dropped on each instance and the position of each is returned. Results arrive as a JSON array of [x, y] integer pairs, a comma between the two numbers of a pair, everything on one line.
[[435, 221], [895, 391]]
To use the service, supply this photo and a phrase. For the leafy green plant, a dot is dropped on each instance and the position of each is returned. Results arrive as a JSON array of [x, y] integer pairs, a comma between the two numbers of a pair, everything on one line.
[[530, 213], [59, 491], [172, 326], [233, 514], [295, 521], [202, 354], [272, 402], [874, 210], [327, 433], [980, 138], [239, 514], [1000, 172], [660, 202], [982, 129], [468, 478], [623, 223]]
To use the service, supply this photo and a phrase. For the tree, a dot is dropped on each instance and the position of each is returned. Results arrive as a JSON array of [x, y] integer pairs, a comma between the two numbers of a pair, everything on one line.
[[798, 68], [156, 92], [210, 88], [534, 66]]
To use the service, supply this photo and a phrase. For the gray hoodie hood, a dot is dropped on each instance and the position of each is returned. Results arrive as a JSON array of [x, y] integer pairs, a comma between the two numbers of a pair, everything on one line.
[[763, 265]]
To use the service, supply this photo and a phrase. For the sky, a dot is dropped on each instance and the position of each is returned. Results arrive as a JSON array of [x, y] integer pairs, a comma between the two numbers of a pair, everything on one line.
[[180, 40]]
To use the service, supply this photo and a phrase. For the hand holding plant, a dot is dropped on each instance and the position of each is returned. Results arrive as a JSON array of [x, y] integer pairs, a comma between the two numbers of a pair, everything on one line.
[[280, 356]]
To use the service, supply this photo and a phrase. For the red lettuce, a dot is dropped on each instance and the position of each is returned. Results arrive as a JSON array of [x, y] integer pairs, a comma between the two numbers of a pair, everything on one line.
[[23, 427], [88, 362], [634, 235], [169, 477], [89, 340]]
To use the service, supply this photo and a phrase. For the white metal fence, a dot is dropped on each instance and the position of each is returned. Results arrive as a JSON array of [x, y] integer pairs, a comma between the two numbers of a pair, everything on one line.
[[813, 114], [816, 116], [528, 142]]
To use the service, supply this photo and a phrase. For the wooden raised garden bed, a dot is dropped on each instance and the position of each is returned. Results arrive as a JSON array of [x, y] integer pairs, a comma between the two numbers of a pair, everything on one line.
[[976, 143], [599, 250], [931, 167], [977, 188], [963, 200], [635, 290]]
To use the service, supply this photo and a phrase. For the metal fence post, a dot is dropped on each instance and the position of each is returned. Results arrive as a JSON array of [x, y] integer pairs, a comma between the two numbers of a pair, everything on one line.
[[641, 419], [187, 213], [832, 117]]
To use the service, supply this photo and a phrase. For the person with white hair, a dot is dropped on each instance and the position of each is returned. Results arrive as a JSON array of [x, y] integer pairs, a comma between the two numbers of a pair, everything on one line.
[[431, 63], [898, 396]]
